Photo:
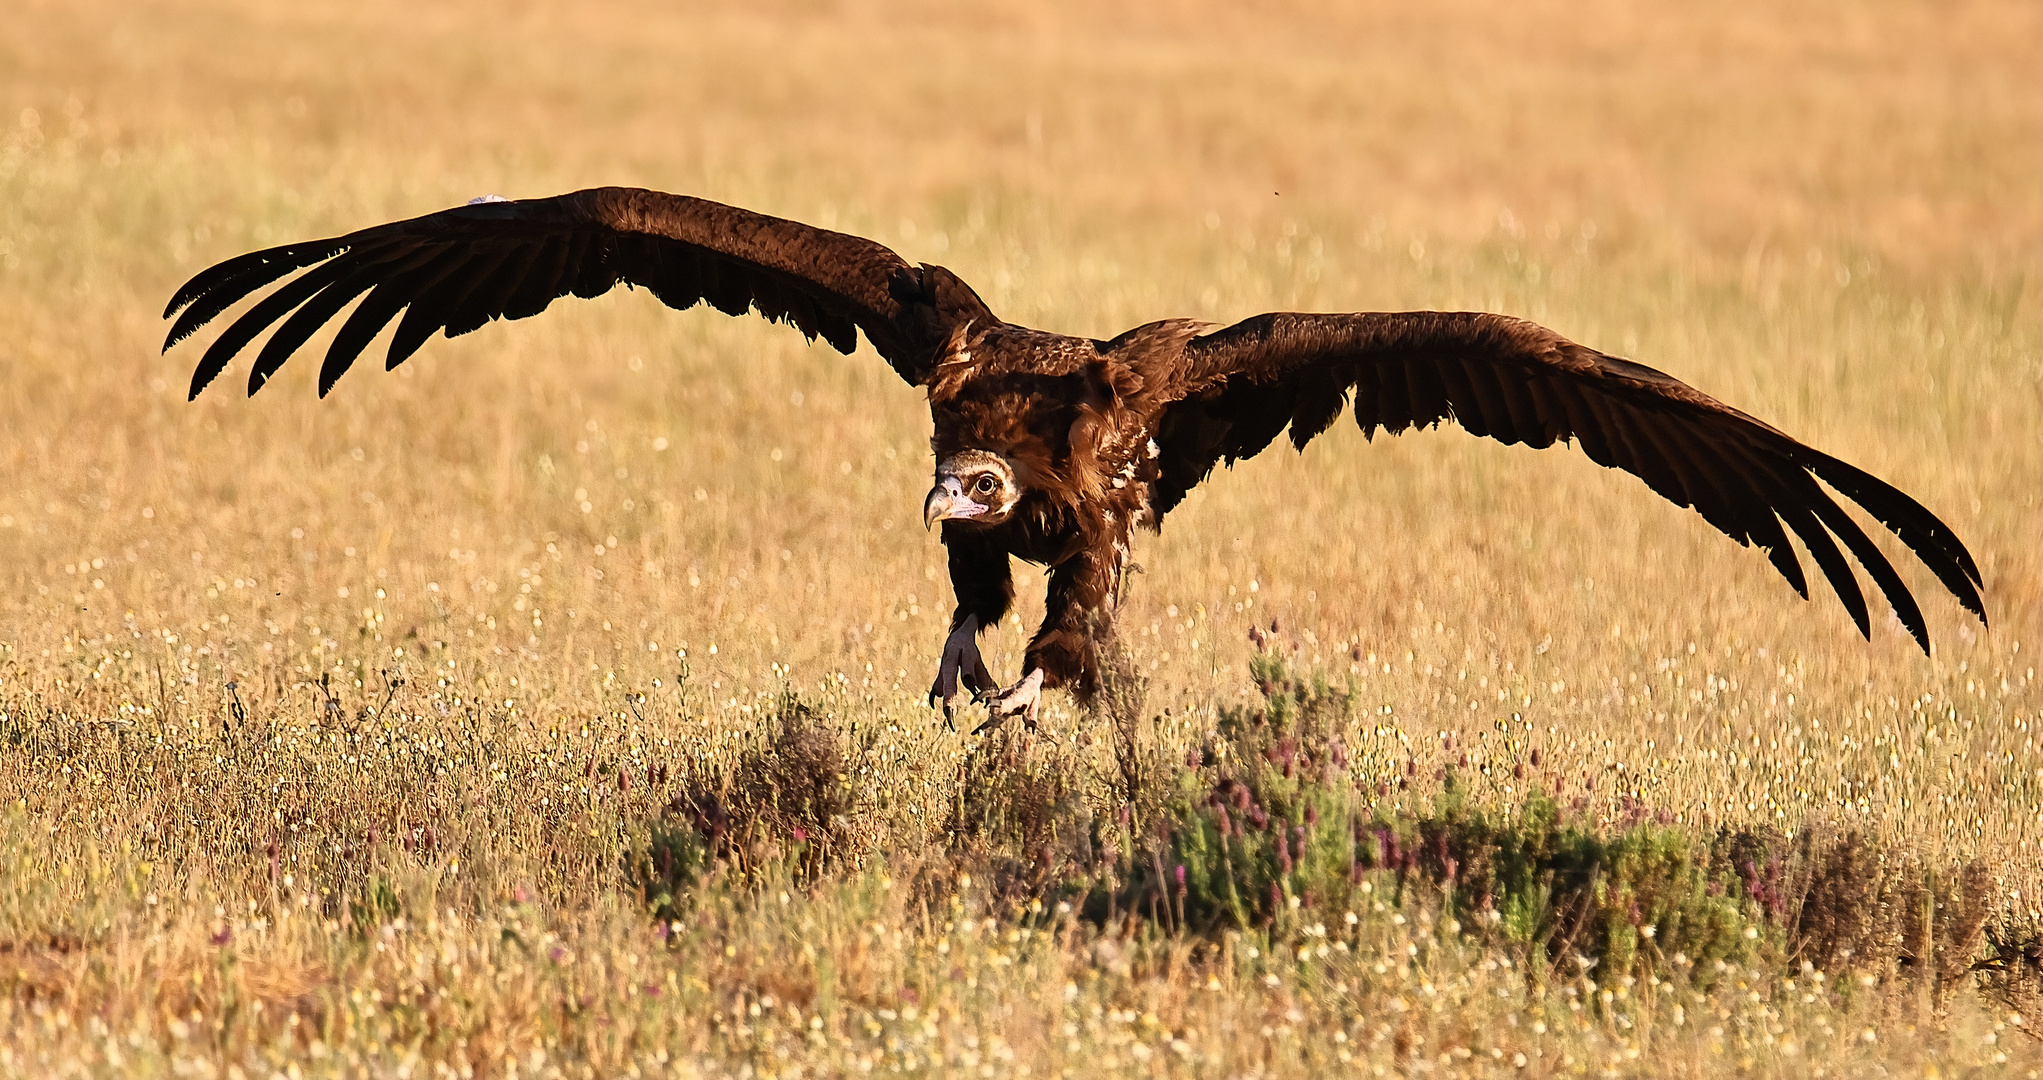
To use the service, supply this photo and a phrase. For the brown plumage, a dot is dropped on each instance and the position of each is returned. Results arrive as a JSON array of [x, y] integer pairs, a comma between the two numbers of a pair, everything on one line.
[[1053, 449]]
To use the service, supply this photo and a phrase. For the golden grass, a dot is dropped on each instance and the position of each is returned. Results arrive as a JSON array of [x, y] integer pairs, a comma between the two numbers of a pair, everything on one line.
[[263, 658]]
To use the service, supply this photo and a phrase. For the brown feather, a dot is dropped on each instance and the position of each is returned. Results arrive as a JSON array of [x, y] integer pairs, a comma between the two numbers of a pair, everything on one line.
[[1098, 436], [1521, 382]]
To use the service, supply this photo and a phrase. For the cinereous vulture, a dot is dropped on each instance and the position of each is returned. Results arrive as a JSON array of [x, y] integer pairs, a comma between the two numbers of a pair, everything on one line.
[[1054, 449]]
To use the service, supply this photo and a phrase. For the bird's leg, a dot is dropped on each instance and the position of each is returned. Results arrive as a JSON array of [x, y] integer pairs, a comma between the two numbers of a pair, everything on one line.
[[985, 588], [960, 659], [1078, 618], [1020, 699]]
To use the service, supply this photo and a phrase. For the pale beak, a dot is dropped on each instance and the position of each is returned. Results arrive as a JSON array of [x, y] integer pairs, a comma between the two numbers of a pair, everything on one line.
[[947, 502]]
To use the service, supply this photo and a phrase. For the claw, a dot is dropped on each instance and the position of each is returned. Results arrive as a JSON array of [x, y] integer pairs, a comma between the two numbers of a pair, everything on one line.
[[961, 662], [1020, 699]]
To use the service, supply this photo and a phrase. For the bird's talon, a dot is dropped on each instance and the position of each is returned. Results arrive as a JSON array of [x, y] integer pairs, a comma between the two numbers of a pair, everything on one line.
[[1017, 700], [960, 663]]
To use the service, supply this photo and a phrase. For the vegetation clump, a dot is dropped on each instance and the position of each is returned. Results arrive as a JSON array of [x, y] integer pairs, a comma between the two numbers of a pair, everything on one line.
[[1273, 830], [786, 803]]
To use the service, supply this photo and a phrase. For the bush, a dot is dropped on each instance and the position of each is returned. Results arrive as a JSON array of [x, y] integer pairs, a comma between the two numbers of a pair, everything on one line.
[[785, 805], [1272, 821]]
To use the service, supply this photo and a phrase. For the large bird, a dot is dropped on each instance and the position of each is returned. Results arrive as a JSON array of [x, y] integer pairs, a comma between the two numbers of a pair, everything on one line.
[[1054, 449]]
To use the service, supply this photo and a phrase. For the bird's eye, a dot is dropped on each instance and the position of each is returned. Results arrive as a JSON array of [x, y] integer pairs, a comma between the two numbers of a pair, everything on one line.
[[985, 484]]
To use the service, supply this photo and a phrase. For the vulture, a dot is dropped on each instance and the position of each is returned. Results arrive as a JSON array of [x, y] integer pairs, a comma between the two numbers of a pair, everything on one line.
[[1054, 449]]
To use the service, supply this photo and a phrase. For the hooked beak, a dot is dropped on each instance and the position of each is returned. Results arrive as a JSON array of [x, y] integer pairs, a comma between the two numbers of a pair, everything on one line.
[[947, 502]]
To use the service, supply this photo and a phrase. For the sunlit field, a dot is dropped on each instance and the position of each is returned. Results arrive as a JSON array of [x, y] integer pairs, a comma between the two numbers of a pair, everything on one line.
[[553, 706]]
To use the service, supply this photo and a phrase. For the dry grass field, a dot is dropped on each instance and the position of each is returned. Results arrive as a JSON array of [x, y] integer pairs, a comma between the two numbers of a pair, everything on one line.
[[552, 706]]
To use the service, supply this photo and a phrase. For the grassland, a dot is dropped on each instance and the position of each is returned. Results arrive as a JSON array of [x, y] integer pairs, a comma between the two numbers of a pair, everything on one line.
[[551, 706]]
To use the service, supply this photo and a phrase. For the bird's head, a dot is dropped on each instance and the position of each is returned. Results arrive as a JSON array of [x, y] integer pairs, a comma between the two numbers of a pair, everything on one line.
[[972, 485]]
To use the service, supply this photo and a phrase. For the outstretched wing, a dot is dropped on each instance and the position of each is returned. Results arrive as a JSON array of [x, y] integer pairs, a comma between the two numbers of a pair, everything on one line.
[[458, 269], [1518, 382]]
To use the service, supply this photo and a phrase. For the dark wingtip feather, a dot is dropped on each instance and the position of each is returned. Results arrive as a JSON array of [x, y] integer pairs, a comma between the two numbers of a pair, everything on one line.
[[216, 288], [208, 305], [222, 294], [213, 276], [218, 274], [1876, 564], [1764, 519], [1782, 555], [419, 322], [1828, 558], [1934, 542]]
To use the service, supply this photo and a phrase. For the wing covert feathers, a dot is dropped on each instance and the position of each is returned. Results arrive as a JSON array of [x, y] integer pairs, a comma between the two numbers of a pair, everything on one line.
[[1518, 382], [455, 271]]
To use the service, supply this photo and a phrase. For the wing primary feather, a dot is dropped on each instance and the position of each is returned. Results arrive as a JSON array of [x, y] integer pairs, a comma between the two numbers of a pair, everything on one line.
[[1668, 442], [427, 302], [1832, 561], [369, 317], [221, 284], [1647, 459], [541, 284], [413, 330], [383, 303], [372, 313], [1696, 462], [252, 322], [421, 321], [486, 301], [454, 297], [1717, 506], [304, 322], [208, 306], [1876, 564], [1757, 501], [1924, 533]]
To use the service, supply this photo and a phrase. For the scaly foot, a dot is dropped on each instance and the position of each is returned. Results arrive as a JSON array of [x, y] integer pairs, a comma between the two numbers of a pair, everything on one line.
[[960, 658], [1020, 699]]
